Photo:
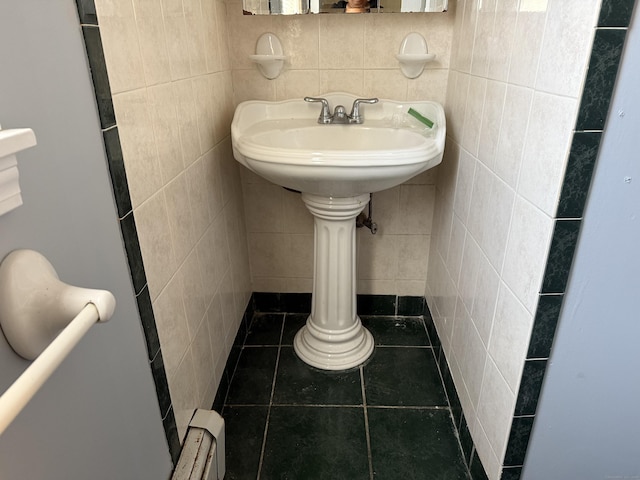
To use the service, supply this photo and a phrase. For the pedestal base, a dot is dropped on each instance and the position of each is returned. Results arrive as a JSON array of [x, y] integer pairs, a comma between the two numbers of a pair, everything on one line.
[[333, 350], [334, 338]]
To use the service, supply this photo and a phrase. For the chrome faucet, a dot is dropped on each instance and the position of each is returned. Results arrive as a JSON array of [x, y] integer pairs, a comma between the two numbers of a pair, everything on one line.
[[340, 115]]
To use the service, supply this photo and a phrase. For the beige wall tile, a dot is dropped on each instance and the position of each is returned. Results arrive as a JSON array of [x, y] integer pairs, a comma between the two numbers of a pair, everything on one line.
[[223, 35], [299, 35], [205, 111], [341, 41], [152, 221], [515, 119], [390, 84], [510, 337], [121, 45], [431, 85], [215, 319], [270, 284], [180, 218], [264, 208], [251, 85], [492, 465], [474, 114], [297, 84], [413, 256], [162, 111], [178, 45], [299, 285], [345, 80], [193, 292], [138, 145], [203, 362], [153, 49], [375, 287], [187, 121], [384, 34], [529, 239], [245, 31], [502, 39], [491, 118], [525, 55], [197, 189], [546, 149], [227, 302], [377, 256], [211, 39], [196, 35], [212, 175], [412, 288], [482, 37], [172, 324], [566, 44], [494, 409], [184, 393], [296, 217], [224, 106]]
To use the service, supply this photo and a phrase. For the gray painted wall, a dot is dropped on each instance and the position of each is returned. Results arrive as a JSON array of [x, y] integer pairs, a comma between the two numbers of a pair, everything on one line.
[[588, 425], [97, 417]]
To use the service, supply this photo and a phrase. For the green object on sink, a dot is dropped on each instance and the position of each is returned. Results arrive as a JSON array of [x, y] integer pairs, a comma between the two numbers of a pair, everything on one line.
[[420, 117]]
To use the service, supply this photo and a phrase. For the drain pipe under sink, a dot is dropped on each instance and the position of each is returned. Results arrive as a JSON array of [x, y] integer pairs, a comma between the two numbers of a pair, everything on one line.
[[367, 220]]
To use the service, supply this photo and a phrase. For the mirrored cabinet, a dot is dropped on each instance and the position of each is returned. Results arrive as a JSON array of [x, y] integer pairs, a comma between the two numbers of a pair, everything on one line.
[[297, 7]]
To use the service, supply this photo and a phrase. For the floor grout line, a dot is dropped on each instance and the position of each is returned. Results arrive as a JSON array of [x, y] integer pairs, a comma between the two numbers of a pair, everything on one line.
[[273, 388], [366, 422]]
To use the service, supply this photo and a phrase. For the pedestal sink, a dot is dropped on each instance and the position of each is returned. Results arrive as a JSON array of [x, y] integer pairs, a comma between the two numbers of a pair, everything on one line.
[[336, 167]]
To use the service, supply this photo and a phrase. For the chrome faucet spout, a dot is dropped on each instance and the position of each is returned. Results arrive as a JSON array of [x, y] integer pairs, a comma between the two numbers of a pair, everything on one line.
[[340, 115]]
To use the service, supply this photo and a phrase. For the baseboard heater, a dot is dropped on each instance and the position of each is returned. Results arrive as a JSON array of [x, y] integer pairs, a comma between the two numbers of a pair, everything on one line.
[[202, 456]]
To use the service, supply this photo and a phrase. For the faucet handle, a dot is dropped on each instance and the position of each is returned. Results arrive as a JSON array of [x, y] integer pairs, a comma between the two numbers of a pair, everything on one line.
[[325, 113], [355, 110]]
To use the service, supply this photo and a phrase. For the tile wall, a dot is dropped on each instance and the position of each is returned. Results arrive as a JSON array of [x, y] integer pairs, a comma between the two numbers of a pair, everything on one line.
[[355, 54], [169, 76], [512, 108]]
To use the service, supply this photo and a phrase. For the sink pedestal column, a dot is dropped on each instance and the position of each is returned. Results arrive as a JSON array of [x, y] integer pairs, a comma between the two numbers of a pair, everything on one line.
[[334, 338]]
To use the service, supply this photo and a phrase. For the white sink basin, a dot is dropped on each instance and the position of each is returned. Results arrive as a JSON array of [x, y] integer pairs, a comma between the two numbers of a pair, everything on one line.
[[282, 142], [336, 167]]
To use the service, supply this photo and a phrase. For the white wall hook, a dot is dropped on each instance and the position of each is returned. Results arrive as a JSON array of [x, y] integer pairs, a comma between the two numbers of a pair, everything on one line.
[[35, 306], [413, 55], [269, 55]]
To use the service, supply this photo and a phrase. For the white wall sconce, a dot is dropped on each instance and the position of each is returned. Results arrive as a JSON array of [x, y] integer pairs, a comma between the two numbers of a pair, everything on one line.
[[269, 56], [413, 55]]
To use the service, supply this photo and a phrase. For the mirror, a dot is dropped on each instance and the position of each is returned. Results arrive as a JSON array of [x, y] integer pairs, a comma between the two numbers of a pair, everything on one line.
[[296, 7]]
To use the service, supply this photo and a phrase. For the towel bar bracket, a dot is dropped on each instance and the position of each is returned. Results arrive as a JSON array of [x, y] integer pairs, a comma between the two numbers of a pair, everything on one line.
[[35, 306]]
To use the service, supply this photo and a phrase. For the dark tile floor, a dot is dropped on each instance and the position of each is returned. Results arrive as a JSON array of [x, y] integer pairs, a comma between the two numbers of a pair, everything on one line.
[[388, 419]]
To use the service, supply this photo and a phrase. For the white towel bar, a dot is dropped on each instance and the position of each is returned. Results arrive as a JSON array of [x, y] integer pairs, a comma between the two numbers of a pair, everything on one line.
[[35, 308]]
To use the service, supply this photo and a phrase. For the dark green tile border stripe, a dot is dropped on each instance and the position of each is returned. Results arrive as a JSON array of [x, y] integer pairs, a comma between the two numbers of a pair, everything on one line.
[[544, 325], [563, 246], [111, 140], [98, 67], [87, 12], [577, 177], [601, 77], [600, 81], [117, 171], [616, 13]]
